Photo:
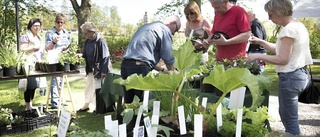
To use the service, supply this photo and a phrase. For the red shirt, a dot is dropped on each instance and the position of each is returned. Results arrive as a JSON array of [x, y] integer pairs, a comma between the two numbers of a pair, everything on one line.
[[234, 22]]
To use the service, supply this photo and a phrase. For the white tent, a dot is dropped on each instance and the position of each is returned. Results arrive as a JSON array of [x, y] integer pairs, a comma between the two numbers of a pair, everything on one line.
[[306, 8]]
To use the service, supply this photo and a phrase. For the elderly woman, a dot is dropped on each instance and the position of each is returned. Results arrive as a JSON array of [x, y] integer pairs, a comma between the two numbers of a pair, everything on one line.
[[292, 54], [31, 44], [96, 55]]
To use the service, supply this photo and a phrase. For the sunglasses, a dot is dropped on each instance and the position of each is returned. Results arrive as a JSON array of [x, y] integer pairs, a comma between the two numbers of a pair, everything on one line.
[[191, 13], [58, 22]]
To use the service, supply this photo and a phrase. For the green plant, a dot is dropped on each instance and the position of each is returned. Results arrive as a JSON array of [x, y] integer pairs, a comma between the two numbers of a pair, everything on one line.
[[17, 119], [5, 116], [9, 57], [188, 65]]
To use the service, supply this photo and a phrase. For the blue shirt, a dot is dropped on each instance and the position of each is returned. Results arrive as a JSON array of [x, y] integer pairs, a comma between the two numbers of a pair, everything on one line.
[[63, 42], [151, 42]]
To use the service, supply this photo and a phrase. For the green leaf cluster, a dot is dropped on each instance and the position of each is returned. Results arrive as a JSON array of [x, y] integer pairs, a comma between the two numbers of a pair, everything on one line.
[[188, 64], [9, 57]]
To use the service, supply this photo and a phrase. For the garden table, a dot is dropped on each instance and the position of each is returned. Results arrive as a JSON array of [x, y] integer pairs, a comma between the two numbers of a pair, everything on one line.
[[316, 61], [46, 74]]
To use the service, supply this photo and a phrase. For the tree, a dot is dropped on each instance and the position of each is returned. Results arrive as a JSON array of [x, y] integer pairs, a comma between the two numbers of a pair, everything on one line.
[[174, 7], [83, 13], [8, 27]]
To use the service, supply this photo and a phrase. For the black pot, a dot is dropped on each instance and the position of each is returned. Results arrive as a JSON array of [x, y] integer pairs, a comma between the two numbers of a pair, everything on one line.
[[37, 66], [66, 67], [74, 66], [11, 71], [1, 72], [51, 67]]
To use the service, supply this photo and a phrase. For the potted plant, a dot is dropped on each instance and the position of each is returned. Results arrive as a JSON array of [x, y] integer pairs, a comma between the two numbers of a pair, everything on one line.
[[64, 62], [10, 58], [188, 65]]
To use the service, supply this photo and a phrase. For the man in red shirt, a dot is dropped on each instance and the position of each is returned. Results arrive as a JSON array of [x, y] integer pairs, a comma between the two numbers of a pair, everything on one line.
[[231, 30]]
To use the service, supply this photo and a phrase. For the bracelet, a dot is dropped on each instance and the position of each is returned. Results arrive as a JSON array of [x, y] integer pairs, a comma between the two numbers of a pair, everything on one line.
[[54, 43], [162, 69]]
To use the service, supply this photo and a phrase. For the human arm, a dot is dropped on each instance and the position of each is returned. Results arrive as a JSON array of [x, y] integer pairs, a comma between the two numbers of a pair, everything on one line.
[[26, 47], [281, 58], [51, 41], [103, 57], [267, 45], [242, 37]]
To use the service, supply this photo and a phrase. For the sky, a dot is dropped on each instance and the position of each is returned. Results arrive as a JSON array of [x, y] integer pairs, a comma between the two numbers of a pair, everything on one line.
[[131, 11]]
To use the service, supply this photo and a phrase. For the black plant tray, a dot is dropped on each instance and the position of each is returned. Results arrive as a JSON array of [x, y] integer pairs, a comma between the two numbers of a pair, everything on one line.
[[14, 129], [42, 121]]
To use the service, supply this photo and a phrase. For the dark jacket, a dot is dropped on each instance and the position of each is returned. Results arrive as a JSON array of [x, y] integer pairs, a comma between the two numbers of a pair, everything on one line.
[[257, 30]]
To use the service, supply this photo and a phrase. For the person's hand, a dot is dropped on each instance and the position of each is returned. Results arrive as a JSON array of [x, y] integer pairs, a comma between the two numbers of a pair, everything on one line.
[[198, 45], [254, 40], [103, 75], [220, 41], [252, 57]]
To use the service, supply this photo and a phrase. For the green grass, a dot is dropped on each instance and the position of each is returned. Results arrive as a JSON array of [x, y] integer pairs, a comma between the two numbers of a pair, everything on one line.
[[10, 97]]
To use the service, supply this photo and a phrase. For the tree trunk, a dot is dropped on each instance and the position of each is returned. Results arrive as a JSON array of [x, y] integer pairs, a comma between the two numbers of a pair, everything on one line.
[[83, 12]]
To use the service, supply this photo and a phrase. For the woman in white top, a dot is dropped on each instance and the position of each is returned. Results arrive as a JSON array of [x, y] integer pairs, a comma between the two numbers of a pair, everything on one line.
[[292, 54], [32, 45], [197, 28]]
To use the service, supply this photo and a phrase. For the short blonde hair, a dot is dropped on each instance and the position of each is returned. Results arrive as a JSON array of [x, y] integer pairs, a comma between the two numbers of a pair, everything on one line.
[[279, 7], [61, 16], [88, 26]]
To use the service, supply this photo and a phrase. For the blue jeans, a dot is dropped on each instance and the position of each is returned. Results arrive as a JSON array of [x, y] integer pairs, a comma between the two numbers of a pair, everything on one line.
[[291, 85], [54, 91], [129, 67]]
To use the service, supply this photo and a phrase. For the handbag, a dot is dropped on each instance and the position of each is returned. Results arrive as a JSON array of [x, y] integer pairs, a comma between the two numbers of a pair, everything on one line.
[[310, 94], [22, 85]]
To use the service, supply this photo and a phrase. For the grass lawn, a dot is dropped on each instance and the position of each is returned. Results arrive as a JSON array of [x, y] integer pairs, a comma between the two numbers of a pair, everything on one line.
[[11, 98]]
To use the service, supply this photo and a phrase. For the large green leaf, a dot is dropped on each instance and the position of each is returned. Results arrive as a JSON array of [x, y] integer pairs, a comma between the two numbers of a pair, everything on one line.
[[152, 82], [233, 78], [186, 60]]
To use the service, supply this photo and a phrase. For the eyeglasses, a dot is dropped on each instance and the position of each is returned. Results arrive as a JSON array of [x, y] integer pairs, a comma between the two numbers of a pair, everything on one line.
[[191, 13], [36, 25], [177, 29], [58, 22]]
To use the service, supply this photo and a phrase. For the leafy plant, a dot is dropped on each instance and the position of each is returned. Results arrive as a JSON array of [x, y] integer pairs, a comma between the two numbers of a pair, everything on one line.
[[5, 116], [9, 57], [17, 119], [188, 65]]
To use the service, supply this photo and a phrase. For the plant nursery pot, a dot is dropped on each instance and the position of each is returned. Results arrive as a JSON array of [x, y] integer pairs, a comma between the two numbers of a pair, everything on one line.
[[74, 66], [1, 72], [11, 71], [51, 67], [37, 66], [66, 67]]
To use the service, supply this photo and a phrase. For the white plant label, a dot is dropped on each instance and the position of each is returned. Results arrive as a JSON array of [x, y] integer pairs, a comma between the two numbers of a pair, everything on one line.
[[145, 100], [123, 130], [139, 116], [64, 121], [237, 98], [219, 117], [182, 120], [147, 124], [198, 118], [204, 102], [239, 123], [138, 131]]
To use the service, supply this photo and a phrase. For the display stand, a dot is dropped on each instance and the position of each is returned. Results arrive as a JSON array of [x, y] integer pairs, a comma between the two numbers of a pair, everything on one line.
[[61, 95]]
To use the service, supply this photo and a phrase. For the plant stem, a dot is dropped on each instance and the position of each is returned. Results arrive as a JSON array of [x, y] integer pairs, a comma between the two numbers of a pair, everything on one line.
[[213, 111]]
